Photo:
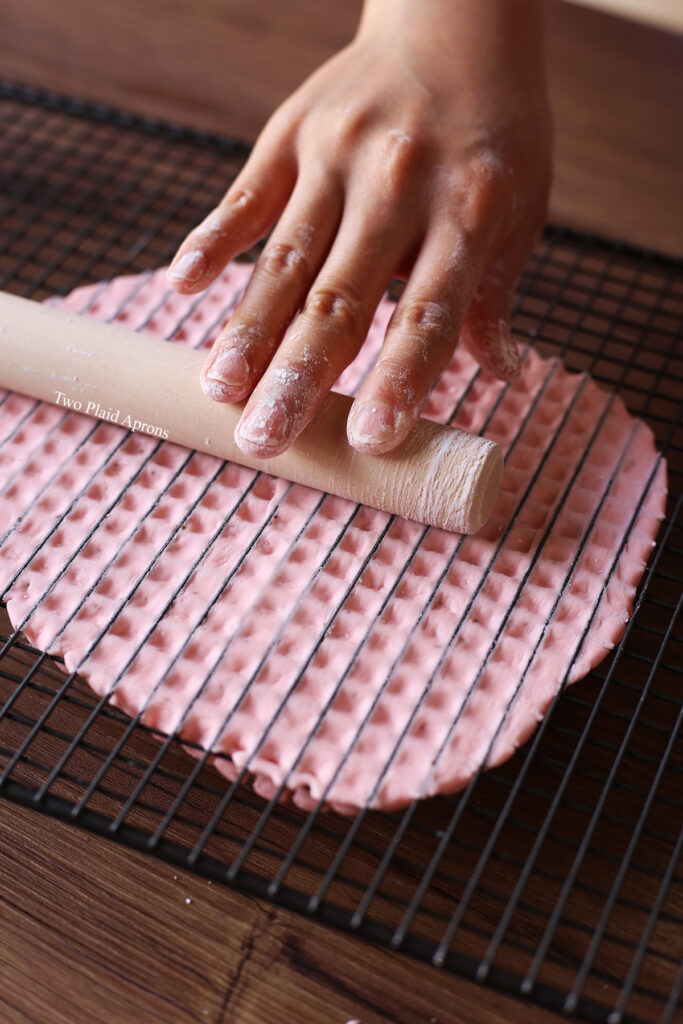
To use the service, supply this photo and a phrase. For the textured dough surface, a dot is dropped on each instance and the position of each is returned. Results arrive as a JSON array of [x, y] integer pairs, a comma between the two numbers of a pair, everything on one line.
[[328, 651]]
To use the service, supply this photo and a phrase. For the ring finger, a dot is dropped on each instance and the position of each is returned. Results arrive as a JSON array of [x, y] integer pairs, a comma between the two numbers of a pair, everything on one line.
[[418, 343]]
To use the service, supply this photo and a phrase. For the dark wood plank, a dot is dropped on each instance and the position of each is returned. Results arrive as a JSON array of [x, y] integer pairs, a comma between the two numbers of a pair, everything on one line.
[[93, 933]]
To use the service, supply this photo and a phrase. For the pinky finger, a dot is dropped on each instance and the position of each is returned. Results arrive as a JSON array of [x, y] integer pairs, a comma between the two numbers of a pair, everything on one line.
[[486, 329]]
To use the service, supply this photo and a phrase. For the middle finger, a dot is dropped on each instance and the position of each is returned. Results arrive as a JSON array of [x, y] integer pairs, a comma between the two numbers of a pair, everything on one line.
[[277, 288], [327, 333]]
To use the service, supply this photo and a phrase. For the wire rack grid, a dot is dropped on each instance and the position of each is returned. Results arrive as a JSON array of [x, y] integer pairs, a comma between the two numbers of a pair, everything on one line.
[[556, 877]]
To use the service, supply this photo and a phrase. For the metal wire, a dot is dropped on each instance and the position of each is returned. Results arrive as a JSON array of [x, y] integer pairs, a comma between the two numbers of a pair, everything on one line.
[[555, 876]]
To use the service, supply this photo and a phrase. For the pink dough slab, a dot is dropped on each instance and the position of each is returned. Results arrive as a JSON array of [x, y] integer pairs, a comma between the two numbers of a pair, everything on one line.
[[329, 652]]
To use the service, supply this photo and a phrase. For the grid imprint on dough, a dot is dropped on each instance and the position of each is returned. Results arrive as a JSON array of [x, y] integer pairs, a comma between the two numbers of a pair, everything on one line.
[[596, 304]]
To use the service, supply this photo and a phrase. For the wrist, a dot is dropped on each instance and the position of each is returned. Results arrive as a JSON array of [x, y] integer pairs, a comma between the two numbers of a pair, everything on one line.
[[493, 39]]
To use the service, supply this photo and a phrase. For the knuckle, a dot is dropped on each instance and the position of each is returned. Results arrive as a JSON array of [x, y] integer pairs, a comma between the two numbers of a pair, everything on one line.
[[241, 198], [485, 192], [488, 174], [423, 317], [402, 381], [282, 258], [429, 328], [340, 307], [352, 124], [402, 154]]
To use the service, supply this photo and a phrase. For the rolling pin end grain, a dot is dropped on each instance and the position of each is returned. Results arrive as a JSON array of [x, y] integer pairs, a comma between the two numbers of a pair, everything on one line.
[[465, 484]]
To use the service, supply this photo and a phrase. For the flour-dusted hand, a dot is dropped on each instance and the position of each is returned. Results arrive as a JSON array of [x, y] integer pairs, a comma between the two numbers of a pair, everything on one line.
[[420, 151]]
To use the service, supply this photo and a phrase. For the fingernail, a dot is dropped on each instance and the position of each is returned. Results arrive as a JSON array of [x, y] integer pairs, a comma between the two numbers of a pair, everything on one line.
[[228, 367], [506, 357], [189, 267], [372, 422], [265, 426]]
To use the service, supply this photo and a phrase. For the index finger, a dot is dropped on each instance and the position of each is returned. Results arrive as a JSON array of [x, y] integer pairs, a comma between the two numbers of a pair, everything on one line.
[[248, 210]]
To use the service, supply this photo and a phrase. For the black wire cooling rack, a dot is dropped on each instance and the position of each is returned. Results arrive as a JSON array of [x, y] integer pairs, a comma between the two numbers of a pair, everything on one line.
[[556, 877]]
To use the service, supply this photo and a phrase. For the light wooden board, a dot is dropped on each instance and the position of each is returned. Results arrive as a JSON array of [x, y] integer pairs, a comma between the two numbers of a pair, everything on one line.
[[666, 14]]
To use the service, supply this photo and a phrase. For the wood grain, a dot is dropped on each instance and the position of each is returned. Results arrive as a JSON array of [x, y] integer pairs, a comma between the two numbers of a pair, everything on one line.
[[93, 933]]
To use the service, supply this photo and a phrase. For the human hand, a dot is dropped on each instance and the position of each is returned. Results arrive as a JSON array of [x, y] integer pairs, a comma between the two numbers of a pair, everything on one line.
[[420, 151]]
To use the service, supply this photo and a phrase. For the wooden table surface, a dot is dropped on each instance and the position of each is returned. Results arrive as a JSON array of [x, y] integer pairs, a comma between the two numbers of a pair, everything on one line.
[[93, 933], [96, 934]]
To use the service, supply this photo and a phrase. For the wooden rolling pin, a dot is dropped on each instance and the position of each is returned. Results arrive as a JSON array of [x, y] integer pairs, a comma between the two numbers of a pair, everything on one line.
[[438, 475]]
